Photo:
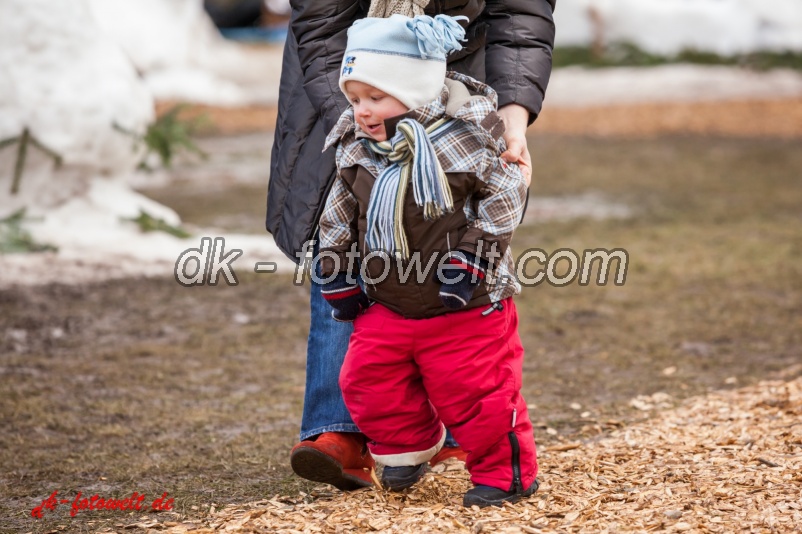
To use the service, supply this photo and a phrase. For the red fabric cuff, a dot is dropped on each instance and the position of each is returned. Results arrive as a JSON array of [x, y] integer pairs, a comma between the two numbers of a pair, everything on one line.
[[336, 295], [470, 268]]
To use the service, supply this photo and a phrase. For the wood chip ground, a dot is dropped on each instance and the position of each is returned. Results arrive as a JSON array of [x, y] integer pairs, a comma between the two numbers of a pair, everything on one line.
[[727, 462]]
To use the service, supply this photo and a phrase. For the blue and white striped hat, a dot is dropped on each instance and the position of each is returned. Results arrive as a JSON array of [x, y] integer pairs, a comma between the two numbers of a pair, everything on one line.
[[404, 57]]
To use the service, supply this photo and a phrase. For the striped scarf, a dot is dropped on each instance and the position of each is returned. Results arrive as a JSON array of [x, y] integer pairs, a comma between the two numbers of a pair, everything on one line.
[[412, 156]]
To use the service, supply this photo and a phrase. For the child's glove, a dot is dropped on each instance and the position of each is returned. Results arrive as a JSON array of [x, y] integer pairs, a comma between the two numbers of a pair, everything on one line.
[[460, 277], [347, 299]]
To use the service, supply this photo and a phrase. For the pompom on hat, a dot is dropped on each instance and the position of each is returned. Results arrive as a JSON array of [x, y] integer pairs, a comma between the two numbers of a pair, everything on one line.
[[404, 57]]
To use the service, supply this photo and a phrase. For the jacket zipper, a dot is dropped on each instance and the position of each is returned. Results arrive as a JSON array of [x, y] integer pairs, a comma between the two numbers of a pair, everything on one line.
[[517, 485]]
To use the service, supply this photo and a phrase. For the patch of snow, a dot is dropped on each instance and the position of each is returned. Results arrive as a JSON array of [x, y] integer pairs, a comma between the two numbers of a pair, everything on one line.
[[96, 265], [668, 26], [68, 84], [587, 205], [182, 56], [96, 242]]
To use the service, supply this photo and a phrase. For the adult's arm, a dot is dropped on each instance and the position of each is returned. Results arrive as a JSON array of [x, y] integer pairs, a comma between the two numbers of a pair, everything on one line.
[[520, 39], [320, 28]]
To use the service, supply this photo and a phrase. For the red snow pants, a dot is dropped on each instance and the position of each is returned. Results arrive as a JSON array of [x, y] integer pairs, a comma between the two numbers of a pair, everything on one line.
[[403, 378]]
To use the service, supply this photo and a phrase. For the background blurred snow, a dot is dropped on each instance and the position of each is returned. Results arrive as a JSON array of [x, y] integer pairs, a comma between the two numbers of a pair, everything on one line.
[[69, 84], [182, 56], [667, 27]]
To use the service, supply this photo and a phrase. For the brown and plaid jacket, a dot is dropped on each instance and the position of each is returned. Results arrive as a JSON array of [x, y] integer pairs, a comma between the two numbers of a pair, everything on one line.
[[488, 195]]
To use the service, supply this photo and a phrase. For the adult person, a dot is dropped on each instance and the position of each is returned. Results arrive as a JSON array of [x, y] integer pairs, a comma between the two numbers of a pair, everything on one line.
[[509, 45]]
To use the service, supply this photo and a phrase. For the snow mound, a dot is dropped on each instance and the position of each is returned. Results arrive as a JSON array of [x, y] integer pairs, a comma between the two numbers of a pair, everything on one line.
[[182, 56], [71, 87], [79, 98]]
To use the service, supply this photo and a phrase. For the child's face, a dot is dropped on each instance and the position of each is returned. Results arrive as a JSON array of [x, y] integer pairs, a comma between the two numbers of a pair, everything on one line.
[[371, 107]]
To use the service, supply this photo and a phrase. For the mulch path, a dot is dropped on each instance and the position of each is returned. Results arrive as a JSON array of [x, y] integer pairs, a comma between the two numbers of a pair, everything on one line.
[[729, 461]]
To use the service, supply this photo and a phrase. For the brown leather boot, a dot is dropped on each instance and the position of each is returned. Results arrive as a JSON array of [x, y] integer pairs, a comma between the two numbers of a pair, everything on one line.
[[338, 458]]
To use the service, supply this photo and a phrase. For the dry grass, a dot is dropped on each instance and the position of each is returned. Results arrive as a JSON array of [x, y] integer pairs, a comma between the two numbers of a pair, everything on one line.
[[780, 118], [748, 118], [224, 120]]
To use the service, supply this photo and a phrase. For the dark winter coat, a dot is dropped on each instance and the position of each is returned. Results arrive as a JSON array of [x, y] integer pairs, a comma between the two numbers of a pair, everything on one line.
[[509, 47]]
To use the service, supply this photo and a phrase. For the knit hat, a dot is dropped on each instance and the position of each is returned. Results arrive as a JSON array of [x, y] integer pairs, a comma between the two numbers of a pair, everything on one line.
[[404, 57]]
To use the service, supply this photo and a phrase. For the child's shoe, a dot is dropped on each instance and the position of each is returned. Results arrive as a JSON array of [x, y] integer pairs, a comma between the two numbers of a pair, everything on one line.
[[483, 496], [403, 477]]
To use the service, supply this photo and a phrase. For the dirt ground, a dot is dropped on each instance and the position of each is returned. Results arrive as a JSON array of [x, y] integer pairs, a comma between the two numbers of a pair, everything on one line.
[[142, 385]]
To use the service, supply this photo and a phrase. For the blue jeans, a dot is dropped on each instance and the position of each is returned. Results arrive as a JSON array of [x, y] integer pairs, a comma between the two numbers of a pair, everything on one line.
[[324, 408]]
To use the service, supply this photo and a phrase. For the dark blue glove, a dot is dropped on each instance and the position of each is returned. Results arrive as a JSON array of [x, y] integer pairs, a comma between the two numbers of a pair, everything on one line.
[[347, 299], [459, 278]]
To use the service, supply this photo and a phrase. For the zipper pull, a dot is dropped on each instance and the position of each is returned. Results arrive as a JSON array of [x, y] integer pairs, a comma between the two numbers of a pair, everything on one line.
[[496, 306]]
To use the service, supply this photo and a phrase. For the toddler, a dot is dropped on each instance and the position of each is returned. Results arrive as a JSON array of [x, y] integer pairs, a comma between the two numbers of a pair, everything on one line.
[[424, 200]]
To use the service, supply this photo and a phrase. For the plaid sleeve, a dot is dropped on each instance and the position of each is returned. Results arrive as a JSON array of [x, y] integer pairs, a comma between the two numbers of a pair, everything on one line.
[[338, 228], [497, 206]]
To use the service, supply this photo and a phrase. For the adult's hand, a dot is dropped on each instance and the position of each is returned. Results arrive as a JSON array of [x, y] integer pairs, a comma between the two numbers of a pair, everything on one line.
[[515, 119]]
